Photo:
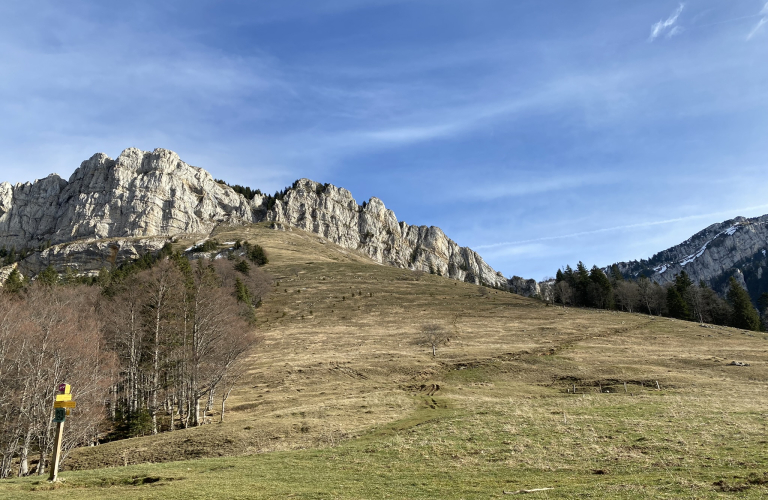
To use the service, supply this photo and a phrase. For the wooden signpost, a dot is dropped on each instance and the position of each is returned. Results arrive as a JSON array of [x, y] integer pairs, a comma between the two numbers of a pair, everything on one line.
[[60, 411]]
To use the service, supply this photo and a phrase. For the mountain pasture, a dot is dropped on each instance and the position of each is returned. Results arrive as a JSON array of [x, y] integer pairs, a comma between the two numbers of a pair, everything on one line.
[[341, 399]]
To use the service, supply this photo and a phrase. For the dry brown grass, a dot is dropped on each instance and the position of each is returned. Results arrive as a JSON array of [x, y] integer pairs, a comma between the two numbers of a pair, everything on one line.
[[340, 360]]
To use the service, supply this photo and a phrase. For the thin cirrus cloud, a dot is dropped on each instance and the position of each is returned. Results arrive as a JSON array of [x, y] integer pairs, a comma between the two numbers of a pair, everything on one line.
[[540, 185], [617, 228], [763, 20], [668, 28]]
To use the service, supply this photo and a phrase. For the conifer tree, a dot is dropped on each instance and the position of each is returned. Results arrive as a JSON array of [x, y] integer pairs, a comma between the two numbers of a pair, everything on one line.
[[256, 254], [616, 274], [14, 283], [48, 276], [242, 293], [601, 295], [676, 305], [104, 277], [242, 267], [744, 315], [762, 304], [582, 281], [568, 276], [682, 283]]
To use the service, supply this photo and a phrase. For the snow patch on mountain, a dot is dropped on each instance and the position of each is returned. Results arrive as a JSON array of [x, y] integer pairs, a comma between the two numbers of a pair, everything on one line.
[[703, 249]]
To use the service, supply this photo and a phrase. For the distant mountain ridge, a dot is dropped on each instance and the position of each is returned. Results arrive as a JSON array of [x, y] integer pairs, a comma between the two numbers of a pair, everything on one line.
[[736, 247], [112, 210]]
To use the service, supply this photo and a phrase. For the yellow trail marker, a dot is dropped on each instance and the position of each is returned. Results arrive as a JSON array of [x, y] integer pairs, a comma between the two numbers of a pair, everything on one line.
[[60, 409]]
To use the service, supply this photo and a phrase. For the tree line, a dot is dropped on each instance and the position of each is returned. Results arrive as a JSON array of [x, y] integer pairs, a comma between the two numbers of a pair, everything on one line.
[[147, 348], [682, 299], [269, 199]]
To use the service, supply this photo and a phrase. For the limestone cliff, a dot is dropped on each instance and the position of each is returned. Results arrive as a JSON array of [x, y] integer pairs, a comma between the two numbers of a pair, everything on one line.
[[107, 204], [333, 213], [138, 194]]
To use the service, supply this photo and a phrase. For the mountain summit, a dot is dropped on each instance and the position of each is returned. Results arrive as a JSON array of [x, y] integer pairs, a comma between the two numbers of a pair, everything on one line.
[[736, 247]]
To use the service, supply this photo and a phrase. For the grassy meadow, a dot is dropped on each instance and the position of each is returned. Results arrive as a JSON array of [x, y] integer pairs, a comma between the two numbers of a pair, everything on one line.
[[342, 400]]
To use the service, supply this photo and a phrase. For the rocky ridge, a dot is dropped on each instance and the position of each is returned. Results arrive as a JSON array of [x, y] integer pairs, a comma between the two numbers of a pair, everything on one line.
[[110, 211], [736, 247]]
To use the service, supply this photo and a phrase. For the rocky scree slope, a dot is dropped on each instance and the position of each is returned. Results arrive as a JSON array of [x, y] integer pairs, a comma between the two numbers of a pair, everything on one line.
[[736, 247], [112, 210]]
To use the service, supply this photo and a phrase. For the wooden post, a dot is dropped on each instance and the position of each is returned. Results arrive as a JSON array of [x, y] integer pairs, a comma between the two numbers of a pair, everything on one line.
[[61, 407], [658, 387], [625, 387], [54, 465]]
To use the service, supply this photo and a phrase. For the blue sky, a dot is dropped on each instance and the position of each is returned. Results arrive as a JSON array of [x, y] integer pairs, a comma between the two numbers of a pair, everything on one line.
[[537, 132]]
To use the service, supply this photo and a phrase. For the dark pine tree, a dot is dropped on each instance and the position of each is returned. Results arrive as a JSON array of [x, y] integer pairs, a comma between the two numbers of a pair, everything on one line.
[[49, 276], [744, 315], [682, 283], [243, 267], [676, 306], [568, 276], [581, 285], [762, 304], [14, 282], [600, 288], [242, 293], [616, 274], [257, 255]]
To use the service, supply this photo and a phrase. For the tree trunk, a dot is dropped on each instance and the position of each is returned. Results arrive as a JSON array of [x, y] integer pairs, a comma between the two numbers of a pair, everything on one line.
[[209, 406], [196, 421], [41, 463], [24, 454], [156, 358]]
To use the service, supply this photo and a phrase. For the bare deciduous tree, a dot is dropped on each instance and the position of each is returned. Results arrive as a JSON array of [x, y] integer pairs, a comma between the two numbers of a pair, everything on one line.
[[59, 340], [152, 345], [627, 295], [695, 297], [564, 293], [434, 334], [645, 292]]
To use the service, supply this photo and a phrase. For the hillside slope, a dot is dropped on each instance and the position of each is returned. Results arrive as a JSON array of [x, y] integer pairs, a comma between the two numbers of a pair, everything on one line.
[[344, 395]]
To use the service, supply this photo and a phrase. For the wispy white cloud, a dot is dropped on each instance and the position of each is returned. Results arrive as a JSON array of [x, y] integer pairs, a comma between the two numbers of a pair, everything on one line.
[[618, 228], [667, 27], [760, 23], [547, 183], [676, 30]]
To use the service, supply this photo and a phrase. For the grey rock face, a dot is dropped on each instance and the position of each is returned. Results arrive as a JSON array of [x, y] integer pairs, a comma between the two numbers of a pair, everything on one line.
[[333, 213], [736, 247], [529, 288], [156, 195], [138, 194], [87, 257]]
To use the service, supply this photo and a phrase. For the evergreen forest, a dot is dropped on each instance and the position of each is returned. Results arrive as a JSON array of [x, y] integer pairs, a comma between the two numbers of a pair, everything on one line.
[[682, 299]]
